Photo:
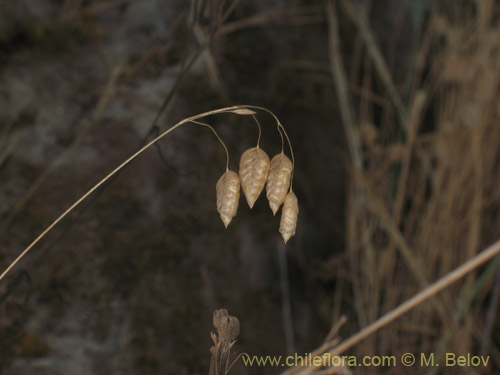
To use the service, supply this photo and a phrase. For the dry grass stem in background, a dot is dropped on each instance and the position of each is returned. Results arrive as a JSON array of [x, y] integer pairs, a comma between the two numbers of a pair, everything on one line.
[[424, 170], [440, 285]]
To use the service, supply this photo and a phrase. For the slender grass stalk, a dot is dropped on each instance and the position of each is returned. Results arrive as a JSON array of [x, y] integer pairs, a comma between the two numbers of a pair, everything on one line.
[[441, 284], [238, 109], [260, 130], [218, 137]]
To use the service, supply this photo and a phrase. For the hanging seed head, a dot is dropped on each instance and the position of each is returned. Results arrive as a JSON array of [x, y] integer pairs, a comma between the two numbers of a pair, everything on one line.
[[228, 196], [254, 168], [289, 216], [278, 181]]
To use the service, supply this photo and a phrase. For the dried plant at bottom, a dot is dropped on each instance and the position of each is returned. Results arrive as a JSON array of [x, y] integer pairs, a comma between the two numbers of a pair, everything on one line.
[[254, 168], [227, 331]]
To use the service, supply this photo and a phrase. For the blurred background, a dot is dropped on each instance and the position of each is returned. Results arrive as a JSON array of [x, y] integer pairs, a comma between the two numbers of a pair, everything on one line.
[[392, 110]]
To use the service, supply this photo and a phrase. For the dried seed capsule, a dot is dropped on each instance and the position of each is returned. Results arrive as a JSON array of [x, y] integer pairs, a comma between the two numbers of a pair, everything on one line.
[[289, 216], [254, 168], [218, 316], [228, 196], [230, 328], [278, 181]]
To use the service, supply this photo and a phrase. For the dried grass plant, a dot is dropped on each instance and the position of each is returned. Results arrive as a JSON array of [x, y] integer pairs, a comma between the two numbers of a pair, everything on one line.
[[423, 196], [198, 46], [227, 330], [227, 187]]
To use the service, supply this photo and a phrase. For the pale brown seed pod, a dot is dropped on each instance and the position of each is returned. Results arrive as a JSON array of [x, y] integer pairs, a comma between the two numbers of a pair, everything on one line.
[[289, 216], [254, 168], [278, 181], [228, 196]]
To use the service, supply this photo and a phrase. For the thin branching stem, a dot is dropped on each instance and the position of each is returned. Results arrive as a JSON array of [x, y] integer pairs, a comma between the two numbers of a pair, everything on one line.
[[241, 355], [438, 286], [282, 139], [260, 130], [218, 137], [280, 126], [120, 167]]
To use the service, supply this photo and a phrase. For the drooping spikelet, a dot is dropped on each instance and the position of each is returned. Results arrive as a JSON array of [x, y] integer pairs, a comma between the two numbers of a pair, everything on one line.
[[289, 216], [228, 196], [278, 181], [254, 168]]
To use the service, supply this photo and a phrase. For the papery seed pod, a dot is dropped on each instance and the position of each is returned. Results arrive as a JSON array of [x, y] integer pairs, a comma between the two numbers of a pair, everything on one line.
[[289, 216], [254, 168], [278, 181], [228, 196]]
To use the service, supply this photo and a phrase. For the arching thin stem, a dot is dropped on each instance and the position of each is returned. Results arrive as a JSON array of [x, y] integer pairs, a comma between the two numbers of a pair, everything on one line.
[[288, 140], [238, 109], [111, 174], [260, 130], [218, 137], [241, 355], [291, 152], [282, 139], [418, 299]]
